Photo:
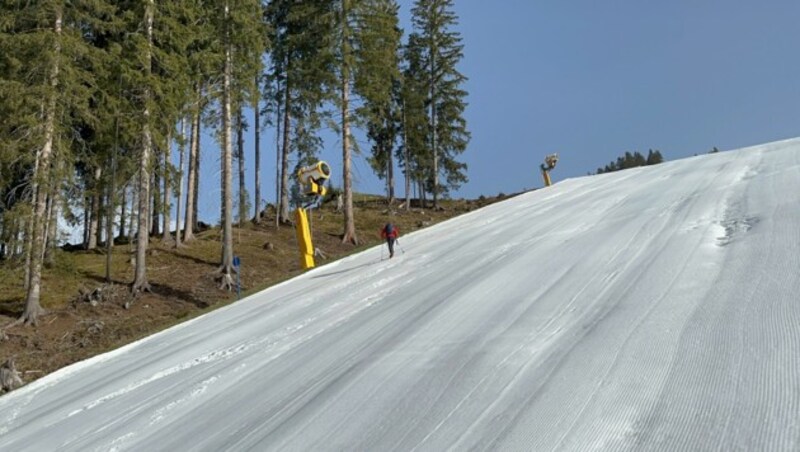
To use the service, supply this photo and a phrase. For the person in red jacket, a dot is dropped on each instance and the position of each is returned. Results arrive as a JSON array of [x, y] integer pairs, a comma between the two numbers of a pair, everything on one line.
[[390, 233]]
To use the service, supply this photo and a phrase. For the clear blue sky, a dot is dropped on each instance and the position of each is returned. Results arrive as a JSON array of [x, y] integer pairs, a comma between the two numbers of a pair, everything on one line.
[[591, 80]]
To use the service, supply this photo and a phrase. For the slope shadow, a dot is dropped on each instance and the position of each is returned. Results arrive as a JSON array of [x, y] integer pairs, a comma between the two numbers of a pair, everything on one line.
[[196, 260], [101, 279], [346, 270], [12, 309], [157, 289], [171, 292]]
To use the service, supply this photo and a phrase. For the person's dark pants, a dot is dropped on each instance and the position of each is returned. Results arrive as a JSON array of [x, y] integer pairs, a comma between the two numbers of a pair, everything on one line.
[[390, 242]]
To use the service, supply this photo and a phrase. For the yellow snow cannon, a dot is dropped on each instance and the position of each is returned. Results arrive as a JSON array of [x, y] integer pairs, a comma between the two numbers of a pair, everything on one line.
[[313, 177], [549, 163], [304, 239]]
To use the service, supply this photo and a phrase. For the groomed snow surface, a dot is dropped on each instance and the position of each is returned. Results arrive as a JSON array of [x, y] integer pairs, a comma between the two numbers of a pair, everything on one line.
[[655, 308]]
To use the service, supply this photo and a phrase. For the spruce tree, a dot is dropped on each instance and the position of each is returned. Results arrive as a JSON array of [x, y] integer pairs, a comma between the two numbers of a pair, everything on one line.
[[180, 179], [241, 32], [377, 81], [257, 150], [204, 57], [654, 157], [140, 282], [48, 74], [153, 39], [301, 36], [366, 42], [415, 155], [442, 49]]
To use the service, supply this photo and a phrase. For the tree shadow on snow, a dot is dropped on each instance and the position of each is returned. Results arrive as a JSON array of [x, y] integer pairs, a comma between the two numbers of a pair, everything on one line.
[[346, 270]]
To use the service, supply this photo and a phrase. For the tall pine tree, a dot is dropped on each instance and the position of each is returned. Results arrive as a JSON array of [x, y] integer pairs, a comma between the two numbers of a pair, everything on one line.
[[442, 49], [48, 76], [416, 156], [366, 42], [242, 34], [377, 81], [301, 36]]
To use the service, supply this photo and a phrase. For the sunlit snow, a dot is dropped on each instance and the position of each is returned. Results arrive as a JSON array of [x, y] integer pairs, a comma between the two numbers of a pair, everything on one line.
[[652, 308]]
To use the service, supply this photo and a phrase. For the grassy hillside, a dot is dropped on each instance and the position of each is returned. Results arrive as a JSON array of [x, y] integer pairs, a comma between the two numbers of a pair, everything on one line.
[[78, 326]]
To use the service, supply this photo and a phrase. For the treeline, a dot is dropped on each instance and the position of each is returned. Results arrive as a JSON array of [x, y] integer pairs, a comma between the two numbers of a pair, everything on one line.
[[632, 161], [97, 95]]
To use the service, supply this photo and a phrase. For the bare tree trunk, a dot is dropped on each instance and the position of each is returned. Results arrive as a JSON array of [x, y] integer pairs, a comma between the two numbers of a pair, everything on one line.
[[278, 156], [240, 154], [222, 190], [112, 189], [27, 245], [155, 210], [28, 238], [19, 246], [87, 207], [390, 173], [140, 282], [100, 217], [112, 199], [188, 224], [257, 121], [182, 150], [149, 191], [226, 267], [433, 135], [167, 201], [33, 307], [47, 214], [287, 104], [349, 235], [94, 220], [196, 190], [52, 229], [123, 208], [134, 217], [3, 237], [407, 160], [91, 233]]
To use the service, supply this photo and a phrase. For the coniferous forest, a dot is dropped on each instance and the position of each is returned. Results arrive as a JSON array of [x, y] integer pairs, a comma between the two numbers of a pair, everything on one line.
[[103, 105], [632, 161]]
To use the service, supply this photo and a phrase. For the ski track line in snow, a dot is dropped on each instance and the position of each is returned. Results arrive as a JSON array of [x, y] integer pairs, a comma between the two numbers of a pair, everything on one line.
[[687, 433], [214, 356], [480, 344], [237, 349], [603, 436], [542, 290], [773, 328], [486, 260], [296, 400], [607, 279], [32, 390], [612, 275], [536, 342], [222, 354], [477, 265]]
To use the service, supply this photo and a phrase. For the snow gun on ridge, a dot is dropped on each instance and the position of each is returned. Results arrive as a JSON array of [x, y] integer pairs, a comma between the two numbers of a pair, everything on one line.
[[549, 163]]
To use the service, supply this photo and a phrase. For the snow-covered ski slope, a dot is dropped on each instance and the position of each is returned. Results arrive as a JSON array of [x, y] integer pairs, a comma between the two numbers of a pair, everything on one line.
[[650, 309]]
